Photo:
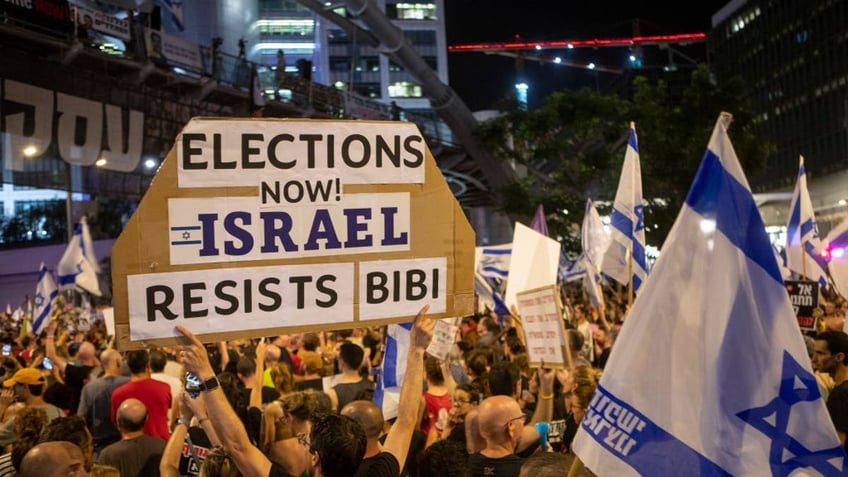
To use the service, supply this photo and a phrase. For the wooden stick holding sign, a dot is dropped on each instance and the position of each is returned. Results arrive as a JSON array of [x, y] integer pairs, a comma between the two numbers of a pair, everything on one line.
[[543, 329]]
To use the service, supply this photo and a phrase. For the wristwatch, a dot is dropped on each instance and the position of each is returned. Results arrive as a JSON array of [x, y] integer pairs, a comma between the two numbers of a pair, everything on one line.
[[210, 384]]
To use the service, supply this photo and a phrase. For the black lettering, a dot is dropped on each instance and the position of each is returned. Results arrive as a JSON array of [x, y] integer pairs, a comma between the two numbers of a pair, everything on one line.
[[247, 151], [376, 283], [416, 287], [153, 306], [248, 296], [310, 139], [189, 300], [332, 296], [222, 295], [396, 286], [366, 151], [217, 159], [272, 151], [265, 191], [189, 151], [276, 299], [301, 292], [393, 154], [415, 152], [435, 283], [298, 192]]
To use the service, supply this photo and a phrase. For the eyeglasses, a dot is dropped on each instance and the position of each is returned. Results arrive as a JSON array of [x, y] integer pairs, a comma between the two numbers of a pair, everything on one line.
[[521, 418], [460, 401], [303, 439]]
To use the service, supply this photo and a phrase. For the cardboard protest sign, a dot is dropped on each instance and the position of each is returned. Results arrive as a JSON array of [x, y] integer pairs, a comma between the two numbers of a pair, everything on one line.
[[260, 227], [544, 332], [534, 261], [804, 296], [444, 337]]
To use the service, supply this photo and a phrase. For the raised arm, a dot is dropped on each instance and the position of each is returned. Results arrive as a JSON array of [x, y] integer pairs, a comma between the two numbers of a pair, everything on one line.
[[544, 409], [397, 442], [59, 362], [250, 461]]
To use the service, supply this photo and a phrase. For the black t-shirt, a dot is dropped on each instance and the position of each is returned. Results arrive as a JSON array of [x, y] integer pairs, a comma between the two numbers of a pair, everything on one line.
[[482, 466], [190, 462], [837, 406], [416, 448], [75, 378], [383, 464]]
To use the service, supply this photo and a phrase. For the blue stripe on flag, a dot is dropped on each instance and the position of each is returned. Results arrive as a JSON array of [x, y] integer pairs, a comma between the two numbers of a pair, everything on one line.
[[494, 251], [633, 438], [497, 271], [623, 224], [716, 194], [390, 364], [631, 141]]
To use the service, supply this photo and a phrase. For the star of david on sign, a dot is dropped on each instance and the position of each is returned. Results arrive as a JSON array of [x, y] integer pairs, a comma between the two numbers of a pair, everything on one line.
[[186, 235], [786, 453]]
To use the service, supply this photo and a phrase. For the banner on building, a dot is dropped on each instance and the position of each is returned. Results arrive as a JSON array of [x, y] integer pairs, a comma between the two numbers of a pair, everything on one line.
[[102, 22]]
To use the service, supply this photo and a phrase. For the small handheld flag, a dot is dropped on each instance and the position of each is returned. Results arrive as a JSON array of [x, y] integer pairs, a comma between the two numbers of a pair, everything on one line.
[[628, 224], [45, 293], [802, 234], [75, 266]]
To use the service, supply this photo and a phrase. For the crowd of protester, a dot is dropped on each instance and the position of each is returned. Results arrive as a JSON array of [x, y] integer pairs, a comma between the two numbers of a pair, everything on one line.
[[302, 405]]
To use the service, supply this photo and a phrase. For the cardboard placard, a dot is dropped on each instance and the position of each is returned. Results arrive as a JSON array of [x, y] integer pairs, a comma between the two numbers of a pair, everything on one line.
[[804, 296], [544, 332], [444, 337], [261, 227]]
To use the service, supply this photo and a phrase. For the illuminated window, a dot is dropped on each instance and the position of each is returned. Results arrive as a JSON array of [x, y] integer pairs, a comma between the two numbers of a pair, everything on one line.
[[413, 11], [404, 89], [289, 27]]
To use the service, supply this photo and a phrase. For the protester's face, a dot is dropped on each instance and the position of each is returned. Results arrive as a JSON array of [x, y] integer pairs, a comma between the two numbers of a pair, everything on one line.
[[461, 403], [600, 337], [576, 408], [823, 360], [834, 322]]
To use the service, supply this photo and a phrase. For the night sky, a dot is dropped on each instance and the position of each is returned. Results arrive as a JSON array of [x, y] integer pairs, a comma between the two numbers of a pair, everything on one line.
[[480, 79]]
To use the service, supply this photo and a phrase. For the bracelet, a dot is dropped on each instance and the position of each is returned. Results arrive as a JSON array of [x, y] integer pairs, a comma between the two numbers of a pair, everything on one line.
[[182, 421], [546, 396]]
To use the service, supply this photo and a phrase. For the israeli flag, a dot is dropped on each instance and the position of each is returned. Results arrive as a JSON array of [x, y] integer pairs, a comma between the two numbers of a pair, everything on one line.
[[45, 293], [390, 382], [493, 261], [75, 266], [628, 224], [802, 233], [710, 375]]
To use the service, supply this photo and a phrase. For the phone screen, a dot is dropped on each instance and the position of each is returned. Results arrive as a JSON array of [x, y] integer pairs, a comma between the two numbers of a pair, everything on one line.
[[192, 385], [47, 363], [7, 350]]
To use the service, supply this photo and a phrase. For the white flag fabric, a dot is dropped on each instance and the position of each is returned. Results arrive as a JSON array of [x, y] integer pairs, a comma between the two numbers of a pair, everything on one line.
[[627, 221], [493, 260], [387, 392], [802, 233], [45, 293], [590, 284], [594, 237], [75, 267], [88, 245], [710, 375]]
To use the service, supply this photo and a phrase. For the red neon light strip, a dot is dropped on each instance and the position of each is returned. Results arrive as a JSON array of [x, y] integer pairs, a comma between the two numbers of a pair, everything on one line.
[[686, 37]]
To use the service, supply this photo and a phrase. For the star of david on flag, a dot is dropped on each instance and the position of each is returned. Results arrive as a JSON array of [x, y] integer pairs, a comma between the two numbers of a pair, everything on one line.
[[710, 375]]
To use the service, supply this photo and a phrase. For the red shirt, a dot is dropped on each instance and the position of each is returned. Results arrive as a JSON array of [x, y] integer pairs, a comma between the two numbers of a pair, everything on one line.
[[156, 397], [434, 405]]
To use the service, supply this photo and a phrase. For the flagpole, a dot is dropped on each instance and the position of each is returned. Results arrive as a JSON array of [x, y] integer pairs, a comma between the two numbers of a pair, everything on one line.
[[630, 282], [577, 467], [803, 262]]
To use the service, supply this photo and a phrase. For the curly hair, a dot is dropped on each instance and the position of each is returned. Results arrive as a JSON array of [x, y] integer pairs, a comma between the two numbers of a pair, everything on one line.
[[299, 405], [339, 441], [218, 464], [282, 377]]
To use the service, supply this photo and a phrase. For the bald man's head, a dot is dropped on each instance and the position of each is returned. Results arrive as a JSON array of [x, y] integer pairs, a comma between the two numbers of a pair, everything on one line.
[[110, 358], [53, 459], [368, 415], [131, 416], [86, 351], [272, 353], [501, 420]]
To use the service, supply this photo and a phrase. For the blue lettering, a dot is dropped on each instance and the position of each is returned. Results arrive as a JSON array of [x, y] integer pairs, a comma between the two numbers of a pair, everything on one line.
[[322, 228], [283, 232], [238, 233], [208, 224], [354, 226], [389, 228]]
